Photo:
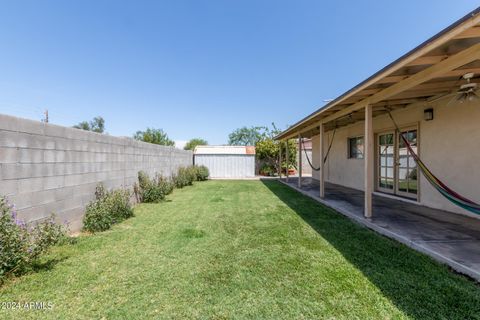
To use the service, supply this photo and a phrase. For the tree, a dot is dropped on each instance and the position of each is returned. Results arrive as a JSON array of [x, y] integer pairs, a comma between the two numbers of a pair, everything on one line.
[[156, 136], [267, 149], [195, 142], [247, 136], [96, 125]]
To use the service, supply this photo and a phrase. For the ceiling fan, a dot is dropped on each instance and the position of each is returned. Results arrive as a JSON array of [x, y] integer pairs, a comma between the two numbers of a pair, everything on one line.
[[467, 91]]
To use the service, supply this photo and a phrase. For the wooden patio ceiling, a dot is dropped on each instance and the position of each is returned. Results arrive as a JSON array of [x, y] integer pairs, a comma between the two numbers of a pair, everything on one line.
[[430, 71]]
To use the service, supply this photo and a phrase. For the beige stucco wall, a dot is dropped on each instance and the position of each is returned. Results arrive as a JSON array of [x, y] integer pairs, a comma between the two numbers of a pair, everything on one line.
[[449, 145]]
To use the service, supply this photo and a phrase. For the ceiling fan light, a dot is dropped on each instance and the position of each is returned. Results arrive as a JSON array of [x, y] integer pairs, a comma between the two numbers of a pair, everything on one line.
[[472, 96]]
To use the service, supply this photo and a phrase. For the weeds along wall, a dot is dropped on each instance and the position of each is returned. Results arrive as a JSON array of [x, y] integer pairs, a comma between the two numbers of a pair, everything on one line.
[[46, 168]]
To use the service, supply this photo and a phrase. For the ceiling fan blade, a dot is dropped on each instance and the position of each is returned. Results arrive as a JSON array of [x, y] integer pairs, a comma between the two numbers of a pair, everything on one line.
[[453, 100]]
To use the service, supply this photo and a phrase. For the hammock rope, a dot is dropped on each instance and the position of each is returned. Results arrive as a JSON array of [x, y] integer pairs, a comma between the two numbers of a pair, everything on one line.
[[441, 187], [326, 155]]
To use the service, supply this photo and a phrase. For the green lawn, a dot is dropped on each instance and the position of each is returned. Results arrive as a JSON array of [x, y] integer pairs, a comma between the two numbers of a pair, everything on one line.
[[241, 249]]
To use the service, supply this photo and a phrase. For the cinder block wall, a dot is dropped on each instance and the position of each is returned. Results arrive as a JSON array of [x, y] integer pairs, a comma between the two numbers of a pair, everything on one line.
[[46, 168]]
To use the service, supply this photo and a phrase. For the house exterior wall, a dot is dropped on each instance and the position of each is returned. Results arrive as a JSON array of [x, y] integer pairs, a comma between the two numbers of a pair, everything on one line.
[[306, 169], [47, 169], [228, 165], [449, 145]]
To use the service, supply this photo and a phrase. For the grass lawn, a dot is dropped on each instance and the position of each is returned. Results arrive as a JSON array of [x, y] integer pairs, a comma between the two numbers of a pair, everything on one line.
[[241, 249]]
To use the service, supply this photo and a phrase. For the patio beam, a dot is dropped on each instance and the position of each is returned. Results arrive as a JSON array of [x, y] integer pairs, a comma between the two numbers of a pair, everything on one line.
[[287, 160], [437, 70], [322, 164], [299, 160], [280, 161], [368, 160]]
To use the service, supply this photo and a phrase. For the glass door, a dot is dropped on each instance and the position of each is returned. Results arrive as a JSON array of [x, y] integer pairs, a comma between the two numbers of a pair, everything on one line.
[[396, 168], [386, 162], [407, 182]]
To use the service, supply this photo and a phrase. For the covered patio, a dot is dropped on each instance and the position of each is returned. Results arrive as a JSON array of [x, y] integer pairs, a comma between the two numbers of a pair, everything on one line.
[[450, 239], [382, 151]]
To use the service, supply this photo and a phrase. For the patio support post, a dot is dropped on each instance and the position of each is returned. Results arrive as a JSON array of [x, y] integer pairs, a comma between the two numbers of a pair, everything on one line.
[[299, 160], [322, 164], [280, 160], [368, 161], [286, 160]]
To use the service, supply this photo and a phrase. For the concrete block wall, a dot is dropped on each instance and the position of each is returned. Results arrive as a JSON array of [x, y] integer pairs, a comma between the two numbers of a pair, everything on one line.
[[46, 168]]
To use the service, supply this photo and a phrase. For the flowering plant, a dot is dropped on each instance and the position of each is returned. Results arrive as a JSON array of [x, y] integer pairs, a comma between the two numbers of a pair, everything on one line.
[[20, 245]]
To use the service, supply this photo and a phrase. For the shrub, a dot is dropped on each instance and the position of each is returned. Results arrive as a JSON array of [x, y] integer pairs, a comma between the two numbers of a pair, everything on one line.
[[191, 174], [45, 235], [166, 185], [97, 217], [108, 208], [267, 170], [202, 173], [14, 241], [152, 190], [21, 246], [184, 177]]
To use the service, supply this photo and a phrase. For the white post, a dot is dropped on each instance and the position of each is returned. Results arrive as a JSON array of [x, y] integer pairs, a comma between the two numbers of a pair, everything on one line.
[[368, 160], [286, 160], [299, 161], [322, 164], [280, 160]]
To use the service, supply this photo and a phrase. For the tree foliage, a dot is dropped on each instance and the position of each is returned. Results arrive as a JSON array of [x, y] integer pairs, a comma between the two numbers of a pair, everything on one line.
[[267, 149], [96, 125], [156, 136], [195, 142], [247, 136]]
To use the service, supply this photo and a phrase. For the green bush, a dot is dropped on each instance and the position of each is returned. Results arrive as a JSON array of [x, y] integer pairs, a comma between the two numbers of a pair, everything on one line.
[[47, 234], [154, 190], [164, 184], [184, 177], [108, 208], [13, 240], [267, 170], [191, 174], [202, 173], [97, 217], [22, 246]]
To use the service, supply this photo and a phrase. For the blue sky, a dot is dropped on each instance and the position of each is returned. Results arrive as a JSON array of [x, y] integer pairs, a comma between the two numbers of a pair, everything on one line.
[[200, 68]]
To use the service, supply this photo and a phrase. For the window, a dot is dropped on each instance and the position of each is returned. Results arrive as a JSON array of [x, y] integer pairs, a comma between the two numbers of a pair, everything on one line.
[[355, 148]]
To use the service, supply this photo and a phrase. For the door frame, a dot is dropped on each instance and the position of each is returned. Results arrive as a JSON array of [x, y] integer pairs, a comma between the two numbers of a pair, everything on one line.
[[395, 192], [397, 181], [377, 162]]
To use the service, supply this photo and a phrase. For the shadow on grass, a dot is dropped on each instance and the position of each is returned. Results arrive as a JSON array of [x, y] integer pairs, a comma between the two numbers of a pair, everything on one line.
[[417, 285], [35, 267], [46, 265]]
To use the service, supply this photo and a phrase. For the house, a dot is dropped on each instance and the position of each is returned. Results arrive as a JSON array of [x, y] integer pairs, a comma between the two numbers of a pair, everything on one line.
[[428, 96]]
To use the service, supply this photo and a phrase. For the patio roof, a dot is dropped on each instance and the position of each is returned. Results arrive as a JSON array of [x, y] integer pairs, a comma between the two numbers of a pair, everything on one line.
[[430, 72]]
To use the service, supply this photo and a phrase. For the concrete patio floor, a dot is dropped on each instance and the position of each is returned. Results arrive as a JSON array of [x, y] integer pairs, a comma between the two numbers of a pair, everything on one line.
[[449, 238]]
